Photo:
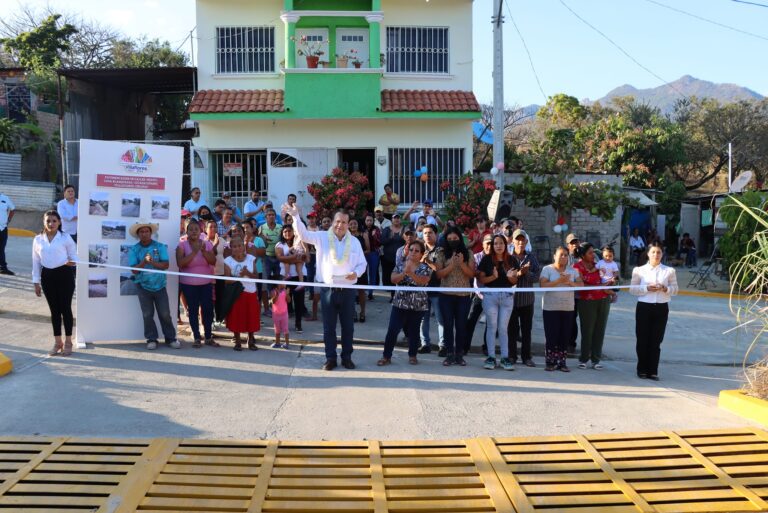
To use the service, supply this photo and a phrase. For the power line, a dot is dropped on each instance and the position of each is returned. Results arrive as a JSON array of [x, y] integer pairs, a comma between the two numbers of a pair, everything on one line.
[[749, 3], [525, 46], [622, 50], [707, 20]]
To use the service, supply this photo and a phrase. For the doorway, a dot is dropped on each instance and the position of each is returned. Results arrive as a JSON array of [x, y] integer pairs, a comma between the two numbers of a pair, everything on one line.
[[364, 161]]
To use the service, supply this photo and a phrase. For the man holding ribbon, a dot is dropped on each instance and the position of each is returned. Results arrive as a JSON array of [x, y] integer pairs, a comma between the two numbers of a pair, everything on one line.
[[340, 261]]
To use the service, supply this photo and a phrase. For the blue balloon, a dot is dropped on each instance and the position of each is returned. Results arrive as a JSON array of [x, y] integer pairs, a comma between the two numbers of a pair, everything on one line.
[[423, 170], [417, 173]]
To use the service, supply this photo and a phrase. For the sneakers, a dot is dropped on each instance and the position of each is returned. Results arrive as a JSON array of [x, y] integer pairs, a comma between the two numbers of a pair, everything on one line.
[[284, 346], [490, 363], [299, 330], [276, 345], [507, 364], [597, 366], [151, 345], [425, 349], [443, 352], [582, 365], [174, 344]]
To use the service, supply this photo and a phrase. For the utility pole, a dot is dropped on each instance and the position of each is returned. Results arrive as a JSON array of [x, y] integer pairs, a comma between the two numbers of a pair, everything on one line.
[[498, 90], [730, 166]]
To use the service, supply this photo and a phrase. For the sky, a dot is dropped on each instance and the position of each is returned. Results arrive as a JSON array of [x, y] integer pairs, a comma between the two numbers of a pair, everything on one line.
[[655, 44]]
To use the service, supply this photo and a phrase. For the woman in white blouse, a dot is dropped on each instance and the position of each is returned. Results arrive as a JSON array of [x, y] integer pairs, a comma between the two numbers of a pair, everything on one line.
[[53, 257], [654, 283]]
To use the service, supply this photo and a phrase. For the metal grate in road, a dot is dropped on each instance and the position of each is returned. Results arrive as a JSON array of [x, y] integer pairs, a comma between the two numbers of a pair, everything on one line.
[[665, 472]]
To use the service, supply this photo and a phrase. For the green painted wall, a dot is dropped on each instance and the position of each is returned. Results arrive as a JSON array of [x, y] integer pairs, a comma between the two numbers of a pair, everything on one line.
[[333, 96], [331, 23], [332, 5], [376, 115]]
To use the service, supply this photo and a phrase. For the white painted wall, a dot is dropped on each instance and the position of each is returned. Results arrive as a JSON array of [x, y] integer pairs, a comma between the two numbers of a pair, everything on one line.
[[381, 134], [455, 14]]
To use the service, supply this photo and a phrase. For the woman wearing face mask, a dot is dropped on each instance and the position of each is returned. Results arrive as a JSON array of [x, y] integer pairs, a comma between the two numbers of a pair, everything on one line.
[[456, 269], [204, 215]]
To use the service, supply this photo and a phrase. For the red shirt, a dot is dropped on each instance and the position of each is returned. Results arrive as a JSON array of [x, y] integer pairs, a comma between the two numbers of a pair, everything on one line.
[[478, 246], [589, 278]]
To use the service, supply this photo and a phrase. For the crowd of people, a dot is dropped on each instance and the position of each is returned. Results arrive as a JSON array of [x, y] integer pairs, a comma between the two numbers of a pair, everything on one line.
[[481, 269]]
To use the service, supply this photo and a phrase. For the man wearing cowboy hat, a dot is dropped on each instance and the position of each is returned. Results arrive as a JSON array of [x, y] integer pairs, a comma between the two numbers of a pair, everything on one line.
[[151, 254]]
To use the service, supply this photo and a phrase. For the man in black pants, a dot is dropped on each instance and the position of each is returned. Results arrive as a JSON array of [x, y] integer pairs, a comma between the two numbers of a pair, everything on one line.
[[521, 321]]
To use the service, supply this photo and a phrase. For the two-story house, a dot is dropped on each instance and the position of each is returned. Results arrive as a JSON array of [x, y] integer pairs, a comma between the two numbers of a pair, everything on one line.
[[268, 121]]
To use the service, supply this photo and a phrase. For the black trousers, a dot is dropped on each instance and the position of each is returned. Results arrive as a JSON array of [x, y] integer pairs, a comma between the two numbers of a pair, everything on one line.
[[475, 311], [650, 324], [297, 299], [519, 328], [58, 286], [386, 274], [574, 325]]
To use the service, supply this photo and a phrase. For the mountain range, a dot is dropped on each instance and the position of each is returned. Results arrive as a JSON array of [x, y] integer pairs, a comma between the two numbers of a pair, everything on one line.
[[664, 96]]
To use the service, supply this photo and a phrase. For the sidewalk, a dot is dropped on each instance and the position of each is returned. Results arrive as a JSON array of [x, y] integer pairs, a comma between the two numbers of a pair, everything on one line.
[[117, 388]]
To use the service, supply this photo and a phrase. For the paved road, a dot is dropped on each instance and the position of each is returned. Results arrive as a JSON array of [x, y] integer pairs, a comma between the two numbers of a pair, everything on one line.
[[118, 389]]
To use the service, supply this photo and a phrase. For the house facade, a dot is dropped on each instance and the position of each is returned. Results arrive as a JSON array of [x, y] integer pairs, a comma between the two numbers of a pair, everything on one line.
[[269, 121]]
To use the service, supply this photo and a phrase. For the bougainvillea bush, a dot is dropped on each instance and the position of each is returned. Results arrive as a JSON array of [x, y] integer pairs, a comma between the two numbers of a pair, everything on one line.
[[340, 189], [466, 199]]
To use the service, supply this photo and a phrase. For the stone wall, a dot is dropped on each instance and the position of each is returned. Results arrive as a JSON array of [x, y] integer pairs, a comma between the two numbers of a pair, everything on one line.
[[36, 196]]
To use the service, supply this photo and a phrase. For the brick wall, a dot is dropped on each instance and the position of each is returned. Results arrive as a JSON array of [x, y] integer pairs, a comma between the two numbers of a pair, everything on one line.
[[40, 196], [540, 221]]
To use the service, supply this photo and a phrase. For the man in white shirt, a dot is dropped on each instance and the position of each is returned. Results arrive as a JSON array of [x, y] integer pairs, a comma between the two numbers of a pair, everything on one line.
[[340, 260], [194, 203], [6, 214], [255, 208], [67, 209], [428, 212]]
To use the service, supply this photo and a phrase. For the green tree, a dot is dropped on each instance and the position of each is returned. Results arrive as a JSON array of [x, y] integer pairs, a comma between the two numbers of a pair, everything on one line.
[[740, 240], [563, 111], [40, 48], [127, 53]]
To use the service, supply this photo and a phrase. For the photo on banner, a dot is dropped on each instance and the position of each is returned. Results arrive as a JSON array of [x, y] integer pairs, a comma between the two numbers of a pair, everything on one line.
[[144, 182]]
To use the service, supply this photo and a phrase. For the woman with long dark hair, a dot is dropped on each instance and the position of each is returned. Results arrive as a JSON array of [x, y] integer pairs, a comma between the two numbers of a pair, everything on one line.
[[497, 271], [54, 255], [291, 252], [456, 269], [593, 308], [654, 284]]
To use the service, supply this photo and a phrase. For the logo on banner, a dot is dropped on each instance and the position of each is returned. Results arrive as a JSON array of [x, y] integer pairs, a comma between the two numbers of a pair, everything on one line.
[[136, 160]]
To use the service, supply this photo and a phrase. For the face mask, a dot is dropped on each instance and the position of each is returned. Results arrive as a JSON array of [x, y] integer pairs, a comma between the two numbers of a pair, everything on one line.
[[420, 235], [206, 217], [454, 244]]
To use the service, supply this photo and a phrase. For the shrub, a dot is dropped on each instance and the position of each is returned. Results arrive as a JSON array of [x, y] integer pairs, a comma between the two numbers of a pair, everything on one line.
[[466, 199], [340, 189]]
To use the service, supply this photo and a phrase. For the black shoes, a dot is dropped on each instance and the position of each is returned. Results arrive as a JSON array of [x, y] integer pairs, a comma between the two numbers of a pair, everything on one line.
[[425, 349], [348, 364], [7, 272], [330, 365], [443, 352]]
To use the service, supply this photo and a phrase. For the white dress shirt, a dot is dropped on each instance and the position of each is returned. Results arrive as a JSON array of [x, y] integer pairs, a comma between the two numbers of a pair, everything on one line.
[[647, 274], [326, 267], [68, 211], [51, 254], [6, 207]]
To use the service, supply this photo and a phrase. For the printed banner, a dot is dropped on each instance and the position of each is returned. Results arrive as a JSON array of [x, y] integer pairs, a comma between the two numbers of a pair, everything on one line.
[[120, 184]]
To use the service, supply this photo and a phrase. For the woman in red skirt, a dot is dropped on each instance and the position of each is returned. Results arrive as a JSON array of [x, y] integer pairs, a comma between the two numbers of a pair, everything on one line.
[[244, 315]]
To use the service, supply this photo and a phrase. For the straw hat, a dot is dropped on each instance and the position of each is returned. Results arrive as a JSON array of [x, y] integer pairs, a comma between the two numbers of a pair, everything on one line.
[[134, 230]]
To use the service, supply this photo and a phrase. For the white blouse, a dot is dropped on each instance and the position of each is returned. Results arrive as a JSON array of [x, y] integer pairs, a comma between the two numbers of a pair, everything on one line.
[[67, 211], [645, 275], [51, 254]]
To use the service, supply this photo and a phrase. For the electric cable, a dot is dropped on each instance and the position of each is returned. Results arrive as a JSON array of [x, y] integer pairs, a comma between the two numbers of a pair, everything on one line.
[[707, 20], [525, 46]]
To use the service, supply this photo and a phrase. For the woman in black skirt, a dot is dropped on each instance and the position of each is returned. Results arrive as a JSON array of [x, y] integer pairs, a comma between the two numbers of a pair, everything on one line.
[[54, 254]]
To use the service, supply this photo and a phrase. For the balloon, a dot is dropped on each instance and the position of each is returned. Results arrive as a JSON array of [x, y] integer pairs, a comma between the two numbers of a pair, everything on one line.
[[423, 170], [561, 220], [500, 166], [557, 228], [494, 171], [564, 227], [417, 173], [424, 177]]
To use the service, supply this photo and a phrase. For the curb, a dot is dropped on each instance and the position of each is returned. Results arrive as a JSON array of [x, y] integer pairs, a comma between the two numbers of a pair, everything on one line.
[[752, 408], [6, 366], [696, 293], [18, 232]]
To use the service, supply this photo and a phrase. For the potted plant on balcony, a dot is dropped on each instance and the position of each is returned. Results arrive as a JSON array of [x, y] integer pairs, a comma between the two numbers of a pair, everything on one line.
[[311, 49], [342, 61], [357, 63]]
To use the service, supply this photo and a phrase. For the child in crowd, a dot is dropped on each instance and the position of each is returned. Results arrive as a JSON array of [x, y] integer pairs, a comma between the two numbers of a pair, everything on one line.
[[279, 298], [296, 250], [609, 271], [244, 315]]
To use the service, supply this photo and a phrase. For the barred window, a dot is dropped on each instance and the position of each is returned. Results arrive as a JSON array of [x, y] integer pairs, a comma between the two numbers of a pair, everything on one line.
[[417, 50], [441, 164], [245, 49]]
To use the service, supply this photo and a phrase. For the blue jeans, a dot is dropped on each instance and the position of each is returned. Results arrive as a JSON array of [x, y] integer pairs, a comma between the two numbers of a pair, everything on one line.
[[271, 268], [199, 296], [372, 259], [454, 310], [399, 319], [433, 306], [498, 309], [151, 301], [338, 304], [311, 273]]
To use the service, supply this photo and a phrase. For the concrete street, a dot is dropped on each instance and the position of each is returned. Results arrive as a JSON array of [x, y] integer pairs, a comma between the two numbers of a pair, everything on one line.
[[117, 388]]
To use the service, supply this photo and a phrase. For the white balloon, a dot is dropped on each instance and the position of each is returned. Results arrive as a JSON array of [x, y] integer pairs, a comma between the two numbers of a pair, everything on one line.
[[557, 228], [494, 171], [564, 227]]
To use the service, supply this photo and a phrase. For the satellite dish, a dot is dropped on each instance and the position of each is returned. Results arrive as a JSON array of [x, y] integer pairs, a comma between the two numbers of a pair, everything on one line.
[[741, 181]]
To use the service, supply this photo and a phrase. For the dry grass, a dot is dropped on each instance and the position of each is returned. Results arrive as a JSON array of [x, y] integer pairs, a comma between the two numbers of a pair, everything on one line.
[[757, 379]]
